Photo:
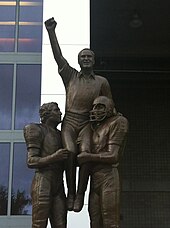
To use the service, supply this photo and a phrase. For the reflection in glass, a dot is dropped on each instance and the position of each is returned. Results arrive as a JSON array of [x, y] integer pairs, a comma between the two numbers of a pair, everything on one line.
[[7, 26], [6, 80], [4, 168], [27, 95], [30, 26], [22, 178]]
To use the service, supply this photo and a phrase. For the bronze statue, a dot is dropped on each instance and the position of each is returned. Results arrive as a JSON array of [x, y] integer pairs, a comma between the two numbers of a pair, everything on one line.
[[109, 137], [81, 90], [46, 156]]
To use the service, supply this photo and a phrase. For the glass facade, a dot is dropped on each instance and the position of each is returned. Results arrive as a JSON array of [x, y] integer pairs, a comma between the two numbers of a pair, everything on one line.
[[27, 94], [4, 173], [30, 26], [6, 88], [7, 25], [20, 93], [21, 182], [21, 26]]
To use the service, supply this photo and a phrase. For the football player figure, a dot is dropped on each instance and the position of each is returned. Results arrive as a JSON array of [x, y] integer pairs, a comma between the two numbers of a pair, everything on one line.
[[46, 156], [110, 130]]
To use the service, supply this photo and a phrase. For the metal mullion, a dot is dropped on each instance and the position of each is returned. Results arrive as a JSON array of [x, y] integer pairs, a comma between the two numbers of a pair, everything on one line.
[[12, 143], [11, 147], [10, 179], [14, 96], [17, 25]]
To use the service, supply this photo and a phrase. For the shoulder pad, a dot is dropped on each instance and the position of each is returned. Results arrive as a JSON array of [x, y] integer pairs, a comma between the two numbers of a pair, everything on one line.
[[33, 135]]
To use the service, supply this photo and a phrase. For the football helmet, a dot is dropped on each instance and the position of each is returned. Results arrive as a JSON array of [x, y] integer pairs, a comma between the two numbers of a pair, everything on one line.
[[103, 107]]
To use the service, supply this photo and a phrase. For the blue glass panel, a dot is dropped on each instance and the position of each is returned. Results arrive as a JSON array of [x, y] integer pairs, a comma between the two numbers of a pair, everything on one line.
[[22, 178], [27, 95], [6, 81], [7, 26], [4, 171], [30, 27], [30, 39]]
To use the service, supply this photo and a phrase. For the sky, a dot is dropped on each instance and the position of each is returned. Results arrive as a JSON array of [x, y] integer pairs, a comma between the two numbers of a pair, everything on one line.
[[73, 32]]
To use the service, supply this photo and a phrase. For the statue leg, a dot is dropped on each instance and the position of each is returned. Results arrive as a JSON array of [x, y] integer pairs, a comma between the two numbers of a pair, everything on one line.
[[110, 200], [94, 209], [69, 138], [84, 141], [58, 213], [40, 201], [110, 211], [71, 180], [83, 178]]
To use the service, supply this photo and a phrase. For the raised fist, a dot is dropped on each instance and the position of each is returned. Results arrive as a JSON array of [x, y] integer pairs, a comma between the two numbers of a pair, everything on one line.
[[50, 24]]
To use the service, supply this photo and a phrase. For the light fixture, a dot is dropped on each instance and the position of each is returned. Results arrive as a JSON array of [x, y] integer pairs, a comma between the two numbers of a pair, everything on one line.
[[21, 3], [135, 20]]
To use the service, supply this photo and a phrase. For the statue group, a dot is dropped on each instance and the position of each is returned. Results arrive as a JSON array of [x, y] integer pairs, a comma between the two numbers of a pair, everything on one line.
[[92, 137]]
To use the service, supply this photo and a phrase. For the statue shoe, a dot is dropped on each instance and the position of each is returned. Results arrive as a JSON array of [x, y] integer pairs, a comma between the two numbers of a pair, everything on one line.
[[70, 203], [78, 203]]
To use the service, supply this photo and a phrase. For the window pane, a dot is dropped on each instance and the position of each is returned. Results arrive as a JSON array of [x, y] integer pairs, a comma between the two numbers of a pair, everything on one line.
[[4, 168], [6, 81], [22, 178], [7, 25], [30, 26], [27, 95]]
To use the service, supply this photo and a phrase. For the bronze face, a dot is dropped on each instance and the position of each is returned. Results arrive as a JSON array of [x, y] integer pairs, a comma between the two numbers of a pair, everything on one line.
[[86, 59], [55, 115]]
